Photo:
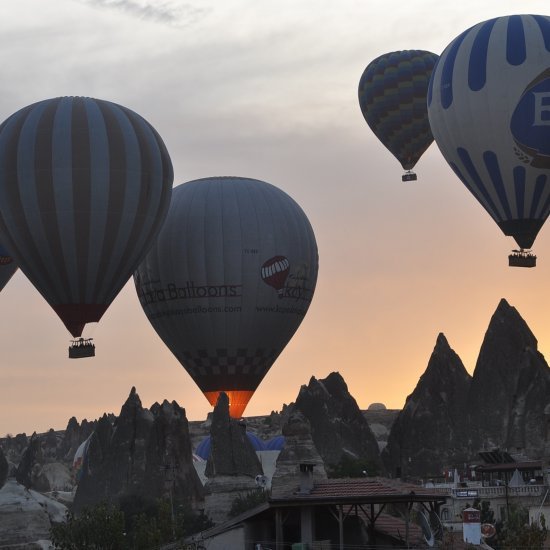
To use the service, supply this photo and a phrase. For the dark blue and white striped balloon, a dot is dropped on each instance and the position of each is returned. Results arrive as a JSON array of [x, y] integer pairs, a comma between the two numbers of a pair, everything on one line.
[[85, 185], [489, 110]]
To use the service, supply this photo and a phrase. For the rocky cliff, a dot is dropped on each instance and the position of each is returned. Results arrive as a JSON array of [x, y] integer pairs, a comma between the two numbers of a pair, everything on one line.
[[451, 416], [232, 453], [338, 427], [431, 430], [144, 454], [232, 466], [3, 468], [510, 388], [299, 449]]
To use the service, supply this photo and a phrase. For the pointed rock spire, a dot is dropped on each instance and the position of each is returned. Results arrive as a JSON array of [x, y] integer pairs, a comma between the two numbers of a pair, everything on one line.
[[510, 386], [430, 430], [232, 453]]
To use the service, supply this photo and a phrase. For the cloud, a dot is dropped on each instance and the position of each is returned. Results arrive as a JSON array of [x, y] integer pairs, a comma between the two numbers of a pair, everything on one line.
[[169, 12]]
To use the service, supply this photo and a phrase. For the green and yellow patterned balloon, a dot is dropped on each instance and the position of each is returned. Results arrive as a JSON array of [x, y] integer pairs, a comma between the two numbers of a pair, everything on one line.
[[392, 96]]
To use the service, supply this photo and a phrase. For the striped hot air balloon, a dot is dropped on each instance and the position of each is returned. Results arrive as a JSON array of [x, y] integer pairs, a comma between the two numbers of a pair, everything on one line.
[[275, 272], [489, 109], [392, 97], [228, 281], [85, 185]]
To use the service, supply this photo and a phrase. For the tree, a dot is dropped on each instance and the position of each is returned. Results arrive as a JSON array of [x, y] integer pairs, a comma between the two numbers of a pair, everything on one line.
[[484, 506], [139, 524], [244, 502], [517, 532], [97, 528]]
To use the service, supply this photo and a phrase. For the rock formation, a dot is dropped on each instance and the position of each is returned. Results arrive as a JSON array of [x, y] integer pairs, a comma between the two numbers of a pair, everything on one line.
[[299, 449], [144, 455], [431, 430], [232, 453], [26, 517], [232, 466], [338, 427], [30, 472], [3, 468], [380, 421], [72, 437], [451, 416], [13, 447], [510, 388]]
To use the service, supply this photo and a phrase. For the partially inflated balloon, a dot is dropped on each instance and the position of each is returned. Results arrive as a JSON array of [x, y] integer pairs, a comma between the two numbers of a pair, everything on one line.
[[489, 109], [7, 267], [84, 187], [228, 281], [392, 97]]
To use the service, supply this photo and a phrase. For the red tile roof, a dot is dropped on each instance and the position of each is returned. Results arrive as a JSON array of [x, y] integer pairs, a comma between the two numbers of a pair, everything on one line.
[[367, 490], [396, 528]]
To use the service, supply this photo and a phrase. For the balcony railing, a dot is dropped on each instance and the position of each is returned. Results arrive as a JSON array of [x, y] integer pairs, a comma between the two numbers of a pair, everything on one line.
[[478, 491]]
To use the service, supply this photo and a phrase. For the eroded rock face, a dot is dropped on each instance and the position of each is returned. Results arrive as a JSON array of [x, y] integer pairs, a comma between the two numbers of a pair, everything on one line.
[[432, 429], [232, 466], [3, 468], [338, 426], [232, 453], [451, 416], [510, 387], [26, 516], [30, 472], [144, 453], [72, 437], [299, 449], [13, 447]]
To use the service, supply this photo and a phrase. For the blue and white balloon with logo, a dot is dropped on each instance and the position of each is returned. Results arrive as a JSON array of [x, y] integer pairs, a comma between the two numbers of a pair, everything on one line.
[[489, 111]]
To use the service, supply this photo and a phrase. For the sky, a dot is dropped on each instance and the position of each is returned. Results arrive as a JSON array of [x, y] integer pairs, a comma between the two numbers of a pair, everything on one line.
[[268, 90]]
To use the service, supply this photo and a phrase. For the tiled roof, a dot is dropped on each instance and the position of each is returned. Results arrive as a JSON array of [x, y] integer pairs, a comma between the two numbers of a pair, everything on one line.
[[367, 489], [530, 465], [396, 528]]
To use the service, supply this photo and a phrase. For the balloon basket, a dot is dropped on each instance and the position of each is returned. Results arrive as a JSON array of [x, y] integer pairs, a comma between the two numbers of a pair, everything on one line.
[[408, 176], [522, 258], [81, 347]]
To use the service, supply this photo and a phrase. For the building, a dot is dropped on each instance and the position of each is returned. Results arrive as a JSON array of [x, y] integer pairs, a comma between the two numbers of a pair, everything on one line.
[[333, 513]]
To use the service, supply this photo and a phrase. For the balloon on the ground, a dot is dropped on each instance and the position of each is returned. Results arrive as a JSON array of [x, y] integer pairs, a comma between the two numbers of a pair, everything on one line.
[[7, 267], [392, 96], [489, 109], [85, 185], [228, 281]]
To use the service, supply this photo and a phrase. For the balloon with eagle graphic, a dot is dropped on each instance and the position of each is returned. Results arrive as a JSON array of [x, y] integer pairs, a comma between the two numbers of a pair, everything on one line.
[[489, 110], [392, 97], [7, 267], [85, 185], [228, 281]]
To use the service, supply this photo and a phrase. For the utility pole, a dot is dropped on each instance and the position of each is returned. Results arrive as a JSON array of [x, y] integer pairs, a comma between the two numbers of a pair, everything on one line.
[[170, 470]]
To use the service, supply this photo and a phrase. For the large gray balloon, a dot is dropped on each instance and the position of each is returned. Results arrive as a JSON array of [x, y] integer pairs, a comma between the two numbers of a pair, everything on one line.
[[228, 281]]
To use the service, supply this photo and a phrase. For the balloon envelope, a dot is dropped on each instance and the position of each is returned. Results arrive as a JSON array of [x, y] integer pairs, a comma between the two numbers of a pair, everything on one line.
[[84, 187], [490, 115], [392, 97], [7, 267], [228, 281]]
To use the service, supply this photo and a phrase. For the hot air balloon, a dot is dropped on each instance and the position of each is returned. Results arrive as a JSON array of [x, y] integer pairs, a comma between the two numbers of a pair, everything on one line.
[[7, 267], [85, 185], [489, 110], [228, 281], [392, 97]]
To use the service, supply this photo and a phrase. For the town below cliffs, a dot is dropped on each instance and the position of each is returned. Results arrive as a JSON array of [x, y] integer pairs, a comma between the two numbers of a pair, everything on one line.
[[155, 452]]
